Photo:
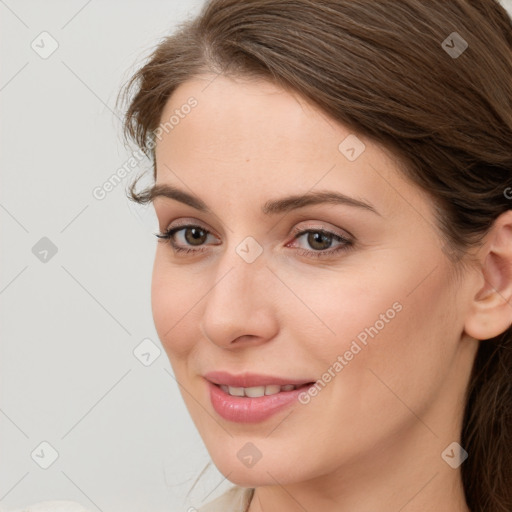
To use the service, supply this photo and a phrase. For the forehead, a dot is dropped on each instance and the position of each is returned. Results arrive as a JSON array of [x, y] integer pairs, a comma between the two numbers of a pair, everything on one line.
[[247, 117], [253, 137]]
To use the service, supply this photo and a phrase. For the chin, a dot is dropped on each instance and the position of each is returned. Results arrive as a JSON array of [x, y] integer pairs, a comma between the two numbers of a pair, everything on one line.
[[265, 471]]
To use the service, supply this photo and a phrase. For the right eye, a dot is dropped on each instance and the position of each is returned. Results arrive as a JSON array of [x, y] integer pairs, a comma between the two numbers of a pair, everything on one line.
[[190, 235]]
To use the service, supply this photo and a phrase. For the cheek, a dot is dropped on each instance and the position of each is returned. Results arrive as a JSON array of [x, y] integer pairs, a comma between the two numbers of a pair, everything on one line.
[[174, 297], [332, 309], [403, 361], [386, 328]]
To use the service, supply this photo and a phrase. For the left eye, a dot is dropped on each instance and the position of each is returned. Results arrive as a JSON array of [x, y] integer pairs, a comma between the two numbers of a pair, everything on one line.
[[319, 240]]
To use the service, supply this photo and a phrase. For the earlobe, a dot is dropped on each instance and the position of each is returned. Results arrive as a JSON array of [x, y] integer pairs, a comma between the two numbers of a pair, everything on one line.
[[491, 309]]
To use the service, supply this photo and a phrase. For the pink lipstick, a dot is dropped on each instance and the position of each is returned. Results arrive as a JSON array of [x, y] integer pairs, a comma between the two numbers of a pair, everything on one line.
[[251, 398]]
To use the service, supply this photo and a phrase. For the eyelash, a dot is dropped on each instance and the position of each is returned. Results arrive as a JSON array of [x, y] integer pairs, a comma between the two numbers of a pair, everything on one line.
[[346, 244]]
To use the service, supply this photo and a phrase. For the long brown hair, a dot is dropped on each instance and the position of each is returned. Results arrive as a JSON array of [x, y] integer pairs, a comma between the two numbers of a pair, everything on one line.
[[395, 72]]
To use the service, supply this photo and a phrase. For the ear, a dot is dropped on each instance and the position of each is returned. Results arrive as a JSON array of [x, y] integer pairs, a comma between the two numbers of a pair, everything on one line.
[[491, 308]]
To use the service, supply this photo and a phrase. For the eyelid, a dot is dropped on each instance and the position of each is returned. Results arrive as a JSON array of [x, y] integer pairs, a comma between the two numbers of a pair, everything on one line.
[[188, 222], [319, 226]]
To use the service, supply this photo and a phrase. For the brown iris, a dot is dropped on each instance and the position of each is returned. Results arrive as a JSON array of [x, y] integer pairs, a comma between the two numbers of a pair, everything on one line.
[[316, 239], [195, 236]]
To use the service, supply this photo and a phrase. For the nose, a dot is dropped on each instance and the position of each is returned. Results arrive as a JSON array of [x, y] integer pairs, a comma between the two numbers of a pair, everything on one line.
[[239, 307]]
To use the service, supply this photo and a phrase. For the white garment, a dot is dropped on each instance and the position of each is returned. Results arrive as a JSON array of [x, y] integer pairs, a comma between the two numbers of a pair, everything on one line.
[[52, 506], [236, 499]]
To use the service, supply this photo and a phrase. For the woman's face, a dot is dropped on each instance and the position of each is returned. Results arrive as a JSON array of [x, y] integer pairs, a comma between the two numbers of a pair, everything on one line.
[[356, 295]]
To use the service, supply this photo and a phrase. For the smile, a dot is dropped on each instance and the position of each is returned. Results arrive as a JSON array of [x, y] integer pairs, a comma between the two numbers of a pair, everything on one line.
[[253, 404], [257, 391]]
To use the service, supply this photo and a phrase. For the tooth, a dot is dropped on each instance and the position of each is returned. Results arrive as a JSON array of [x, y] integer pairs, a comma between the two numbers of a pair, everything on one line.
[[272, 389], [236, 391], [255, 391]]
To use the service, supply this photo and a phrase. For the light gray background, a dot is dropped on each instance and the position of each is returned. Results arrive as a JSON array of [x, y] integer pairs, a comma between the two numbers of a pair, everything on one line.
[[70, 325]]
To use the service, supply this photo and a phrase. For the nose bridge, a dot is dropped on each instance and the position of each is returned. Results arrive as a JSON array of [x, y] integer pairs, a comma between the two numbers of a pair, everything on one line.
[[238, 303]]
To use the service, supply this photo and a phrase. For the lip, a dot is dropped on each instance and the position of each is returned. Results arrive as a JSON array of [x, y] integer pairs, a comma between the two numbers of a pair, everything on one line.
[[248, 380], [243, 409]]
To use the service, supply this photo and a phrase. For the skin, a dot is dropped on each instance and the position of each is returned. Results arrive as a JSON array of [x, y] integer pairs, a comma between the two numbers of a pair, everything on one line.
[[373, 436]]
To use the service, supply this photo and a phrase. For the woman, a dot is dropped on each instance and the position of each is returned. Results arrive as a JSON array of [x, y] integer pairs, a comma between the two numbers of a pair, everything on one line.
[[334, 267], [333, 276]]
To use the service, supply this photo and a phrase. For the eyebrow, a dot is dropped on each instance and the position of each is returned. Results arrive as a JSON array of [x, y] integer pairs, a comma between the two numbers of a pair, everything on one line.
[[271, 207]]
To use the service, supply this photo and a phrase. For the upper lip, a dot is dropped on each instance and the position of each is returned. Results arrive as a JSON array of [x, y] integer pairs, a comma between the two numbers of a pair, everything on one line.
[[248, 380]]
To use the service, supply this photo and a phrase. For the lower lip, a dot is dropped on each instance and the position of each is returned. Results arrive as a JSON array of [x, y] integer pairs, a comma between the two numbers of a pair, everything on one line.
[[243, 409]]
